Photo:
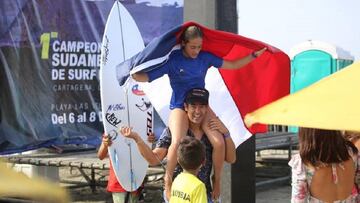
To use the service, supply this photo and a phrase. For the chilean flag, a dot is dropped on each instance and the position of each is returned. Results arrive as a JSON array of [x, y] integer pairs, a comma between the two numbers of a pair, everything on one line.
[[233, 93]]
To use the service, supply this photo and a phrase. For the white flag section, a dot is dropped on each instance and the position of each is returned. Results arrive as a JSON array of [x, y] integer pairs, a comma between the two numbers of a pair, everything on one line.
[[221, 102]]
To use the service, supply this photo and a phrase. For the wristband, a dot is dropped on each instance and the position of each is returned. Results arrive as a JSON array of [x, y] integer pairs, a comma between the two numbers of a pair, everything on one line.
[[226, 135], [253, 54]]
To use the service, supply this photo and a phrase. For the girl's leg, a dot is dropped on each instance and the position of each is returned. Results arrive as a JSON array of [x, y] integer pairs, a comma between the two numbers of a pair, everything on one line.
[[178, 124], [218, 155], [121, 197]]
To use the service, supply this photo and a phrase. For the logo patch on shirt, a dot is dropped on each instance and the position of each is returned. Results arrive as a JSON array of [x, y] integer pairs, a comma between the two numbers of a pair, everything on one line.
[[181, 195]]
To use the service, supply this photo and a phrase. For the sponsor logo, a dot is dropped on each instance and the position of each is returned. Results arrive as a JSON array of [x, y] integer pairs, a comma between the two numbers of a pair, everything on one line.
[[137, 91], [113, 135], [105, 51], [182, 195], [149, 121], [115, 107], [111, 119], [144, 106]]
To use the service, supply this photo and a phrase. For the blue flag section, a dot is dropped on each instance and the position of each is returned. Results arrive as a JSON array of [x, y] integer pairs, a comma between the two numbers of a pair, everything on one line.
[[49, 63]]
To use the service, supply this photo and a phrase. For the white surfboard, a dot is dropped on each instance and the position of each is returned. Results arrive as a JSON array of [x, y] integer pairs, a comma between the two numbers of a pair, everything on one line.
[[124, 105]]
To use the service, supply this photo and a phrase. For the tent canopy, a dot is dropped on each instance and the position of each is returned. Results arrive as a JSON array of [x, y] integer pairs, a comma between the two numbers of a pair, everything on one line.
[[331, 103]]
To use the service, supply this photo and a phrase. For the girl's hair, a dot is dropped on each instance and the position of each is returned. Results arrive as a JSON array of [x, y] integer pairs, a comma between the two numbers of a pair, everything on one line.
[[318, 147], [190, 33]]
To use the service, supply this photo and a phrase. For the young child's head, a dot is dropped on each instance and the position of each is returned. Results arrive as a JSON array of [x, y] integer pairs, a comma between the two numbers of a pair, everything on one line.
[[191, 153]]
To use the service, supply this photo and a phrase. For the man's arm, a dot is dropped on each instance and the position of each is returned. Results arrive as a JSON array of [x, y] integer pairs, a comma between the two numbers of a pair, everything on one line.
[[153, 157]]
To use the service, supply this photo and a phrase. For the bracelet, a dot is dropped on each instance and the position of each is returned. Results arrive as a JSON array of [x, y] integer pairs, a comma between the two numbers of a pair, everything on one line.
[[226, 135], [253, 54]]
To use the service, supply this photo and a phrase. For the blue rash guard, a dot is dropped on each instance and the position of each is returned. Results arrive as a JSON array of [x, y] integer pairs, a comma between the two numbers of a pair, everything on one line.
[[185, 73]]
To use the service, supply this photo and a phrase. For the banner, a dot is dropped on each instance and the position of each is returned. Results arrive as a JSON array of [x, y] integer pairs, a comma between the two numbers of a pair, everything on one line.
[[49, 63]]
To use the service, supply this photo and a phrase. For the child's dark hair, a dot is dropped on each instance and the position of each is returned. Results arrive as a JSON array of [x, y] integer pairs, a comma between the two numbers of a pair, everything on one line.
[[191, 153], [191, 32]]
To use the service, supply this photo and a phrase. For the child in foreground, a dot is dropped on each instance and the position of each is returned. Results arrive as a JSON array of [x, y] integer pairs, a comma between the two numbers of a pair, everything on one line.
[[186, 186]]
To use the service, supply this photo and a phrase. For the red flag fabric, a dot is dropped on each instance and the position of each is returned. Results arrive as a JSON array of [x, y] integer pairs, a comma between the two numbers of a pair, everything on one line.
[[263, 80]]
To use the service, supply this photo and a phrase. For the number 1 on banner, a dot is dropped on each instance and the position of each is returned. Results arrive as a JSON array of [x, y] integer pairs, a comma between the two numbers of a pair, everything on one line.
[[45, 42]]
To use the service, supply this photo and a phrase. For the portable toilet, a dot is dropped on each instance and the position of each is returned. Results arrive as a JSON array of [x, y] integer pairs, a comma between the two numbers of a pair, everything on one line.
[[314, 60]]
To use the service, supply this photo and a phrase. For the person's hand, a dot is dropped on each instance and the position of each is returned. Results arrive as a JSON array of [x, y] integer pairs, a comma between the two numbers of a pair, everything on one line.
[[151, 138], [217, 124], [106, 140], [216, 191], [259, 52], [128, 133]]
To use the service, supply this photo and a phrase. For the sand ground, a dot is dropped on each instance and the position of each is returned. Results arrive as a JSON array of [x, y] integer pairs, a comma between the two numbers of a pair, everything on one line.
[[277, 193], [273, 164], [99, 195]]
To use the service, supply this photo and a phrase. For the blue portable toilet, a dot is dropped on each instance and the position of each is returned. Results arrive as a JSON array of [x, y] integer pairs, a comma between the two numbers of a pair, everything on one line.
[[314, 60]]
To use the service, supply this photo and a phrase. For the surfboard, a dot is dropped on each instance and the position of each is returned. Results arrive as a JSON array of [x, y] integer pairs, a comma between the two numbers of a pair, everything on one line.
[[125, 105]]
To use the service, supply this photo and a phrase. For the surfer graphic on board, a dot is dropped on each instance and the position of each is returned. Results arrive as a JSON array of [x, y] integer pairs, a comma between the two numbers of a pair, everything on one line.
[[144, 106]]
